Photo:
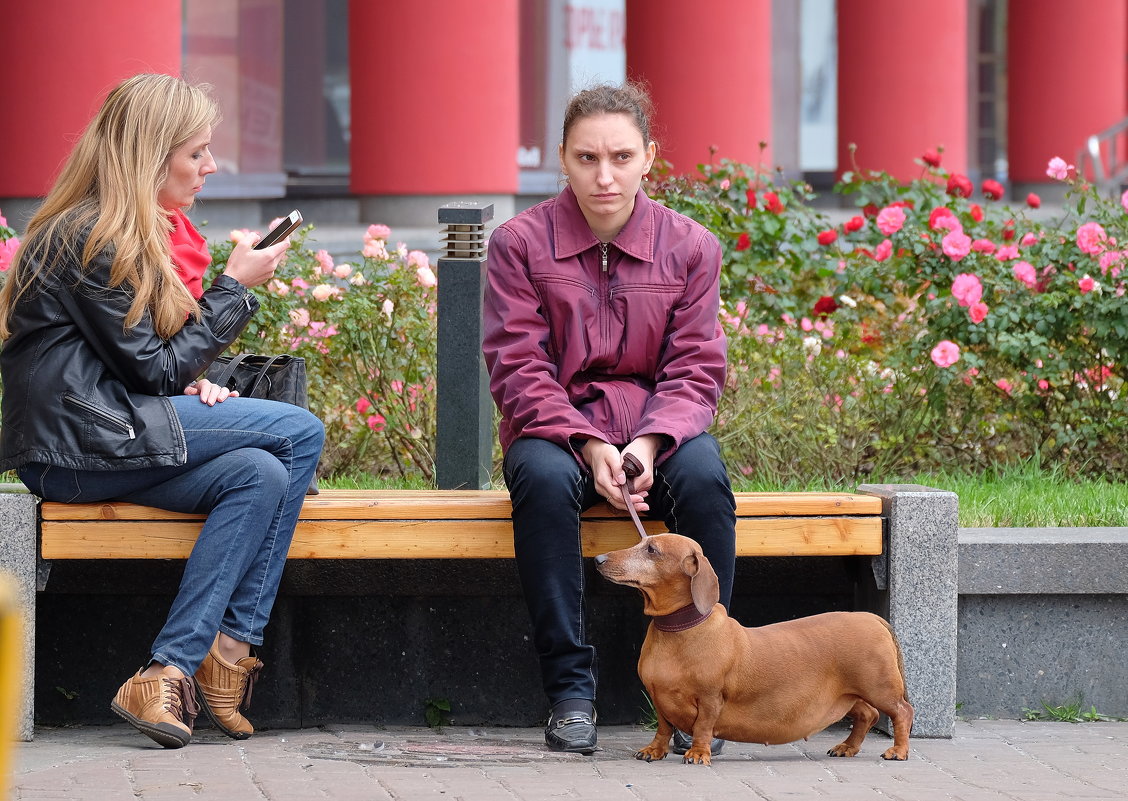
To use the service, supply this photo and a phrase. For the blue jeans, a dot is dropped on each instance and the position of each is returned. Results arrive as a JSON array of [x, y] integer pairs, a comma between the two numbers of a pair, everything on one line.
[[549, 490], [249, 464]]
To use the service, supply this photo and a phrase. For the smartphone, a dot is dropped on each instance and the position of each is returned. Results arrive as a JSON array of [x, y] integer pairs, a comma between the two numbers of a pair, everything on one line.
[[287, 226]]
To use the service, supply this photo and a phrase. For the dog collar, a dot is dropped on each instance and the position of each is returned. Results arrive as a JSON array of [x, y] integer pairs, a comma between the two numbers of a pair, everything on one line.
[[685, 618]]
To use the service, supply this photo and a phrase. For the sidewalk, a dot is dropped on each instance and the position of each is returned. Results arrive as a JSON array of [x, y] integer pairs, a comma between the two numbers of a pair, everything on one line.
[[1001, 760]]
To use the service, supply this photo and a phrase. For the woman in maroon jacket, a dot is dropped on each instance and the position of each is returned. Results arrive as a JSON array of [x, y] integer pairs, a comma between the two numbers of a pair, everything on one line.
[[602, 340]]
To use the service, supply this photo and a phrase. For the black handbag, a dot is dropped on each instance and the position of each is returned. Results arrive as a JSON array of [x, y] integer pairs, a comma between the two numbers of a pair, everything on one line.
[[277, 378]]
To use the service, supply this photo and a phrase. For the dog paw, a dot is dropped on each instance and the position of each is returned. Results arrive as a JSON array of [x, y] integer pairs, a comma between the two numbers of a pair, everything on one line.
[[698, 756], [650, 754], [843, 750], [895, 755]]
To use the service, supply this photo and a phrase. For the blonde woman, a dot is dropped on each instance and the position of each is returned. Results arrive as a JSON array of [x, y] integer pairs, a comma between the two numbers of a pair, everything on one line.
[[106, 328]]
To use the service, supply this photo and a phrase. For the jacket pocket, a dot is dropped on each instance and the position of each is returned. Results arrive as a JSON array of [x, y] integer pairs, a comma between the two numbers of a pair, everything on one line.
[[103, 416]]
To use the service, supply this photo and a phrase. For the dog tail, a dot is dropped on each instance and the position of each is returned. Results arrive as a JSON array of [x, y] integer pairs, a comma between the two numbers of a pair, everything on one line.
[[900, 656]]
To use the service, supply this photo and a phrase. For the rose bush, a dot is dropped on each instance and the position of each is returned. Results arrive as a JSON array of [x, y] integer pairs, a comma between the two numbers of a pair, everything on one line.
[[997, 335], [367, 331]]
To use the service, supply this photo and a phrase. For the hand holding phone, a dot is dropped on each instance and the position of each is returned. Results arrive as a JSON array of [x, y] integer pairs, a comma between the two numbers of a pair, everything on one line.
[[285, 227]]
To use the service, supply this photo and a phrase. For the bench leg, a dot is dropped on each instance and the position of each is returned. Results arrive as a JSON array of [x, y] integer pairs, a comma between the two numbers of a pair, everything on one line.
[[922, 596], [17, 559]]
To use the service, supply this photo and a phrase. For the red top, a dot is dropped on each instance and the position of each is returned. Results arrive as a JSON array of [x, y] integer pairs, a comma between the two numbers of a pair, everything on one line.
[[190, 255]]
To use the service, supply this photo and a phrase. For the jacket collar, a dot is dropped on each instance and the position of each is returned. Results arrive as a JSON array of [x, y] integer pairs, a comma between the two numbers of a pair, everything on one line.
[[572, 235]]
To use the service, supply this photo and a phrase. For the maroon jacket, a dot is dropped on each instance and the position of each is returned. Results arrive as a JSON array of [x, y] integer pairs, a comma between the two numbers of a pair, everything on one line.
[[580, 344]]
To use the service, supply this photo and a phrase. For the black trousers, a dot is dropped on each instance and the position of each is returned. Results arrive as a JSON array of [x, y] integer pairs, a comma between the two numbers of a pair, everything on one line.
[[549, 491]]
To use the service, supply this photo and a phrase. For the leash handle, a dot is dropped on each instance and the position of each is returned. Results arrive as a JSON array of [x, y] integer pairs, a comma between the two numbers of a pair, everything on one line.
[[632, 467]]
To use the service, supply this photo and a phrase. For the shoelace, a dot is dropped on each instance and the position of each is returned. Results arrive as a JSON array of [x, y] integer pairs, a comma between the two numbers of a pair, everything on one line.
[[252, 677], [181, 698]]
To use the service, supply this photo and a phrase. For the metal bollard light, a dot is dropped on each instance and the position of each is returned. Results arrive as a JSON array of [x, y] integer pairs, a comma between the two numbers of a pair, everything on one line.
[[464, 425]]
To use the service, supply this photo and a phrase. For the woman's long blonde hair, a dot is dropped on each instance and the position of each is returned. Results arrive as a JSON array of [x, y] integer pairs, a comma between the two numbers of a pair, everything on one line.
[[109, 186]]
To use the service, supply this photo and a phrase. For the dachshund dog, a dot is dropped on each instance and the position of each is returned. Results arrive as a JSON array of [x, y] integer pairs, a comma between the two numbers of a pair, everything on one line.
[[710, 676]]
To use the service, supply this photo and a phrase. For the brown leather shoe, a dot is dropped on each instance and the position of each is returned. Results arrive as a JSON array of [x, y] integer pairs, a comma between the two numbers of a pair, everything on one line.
[[161, 707], [224, 689]]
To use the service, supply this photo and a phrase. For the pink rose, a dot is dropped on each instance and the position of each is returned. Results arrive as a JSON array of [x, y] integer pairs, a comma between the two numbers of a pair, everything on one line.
[[1057, 168], [363, 405], [1007, 252], [967, 289], [417, 259], [983, 246], [1028, 239], [378, 232], [1091, 237], [425, 276], [1024, 271], [725, 184], [946, 353], [342, 270], [325, 260], [977, 312], [883, 251], [376, 422], [8, 249], [299, 317], [1086, 284], [323, 292], [1004, 385], [890, 220], [956, 245], [375, 249]]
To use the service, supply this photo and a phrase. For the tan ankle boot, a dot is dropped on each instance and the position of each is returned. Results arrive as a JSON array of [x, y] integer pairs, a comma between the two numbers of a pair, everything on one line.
[[224, 689], [161, 707]]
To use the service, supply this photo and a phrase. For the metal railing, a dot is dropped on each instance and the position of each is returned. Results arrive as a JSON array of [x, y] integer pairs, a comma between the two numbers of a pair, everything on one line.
[[1103, 158]]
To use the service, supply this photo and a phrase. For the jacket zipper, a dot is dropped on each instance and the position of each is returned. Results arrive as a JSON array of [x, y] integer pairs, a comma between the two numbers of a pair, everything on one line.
[[113, 419], [603, 254], [228, 320]]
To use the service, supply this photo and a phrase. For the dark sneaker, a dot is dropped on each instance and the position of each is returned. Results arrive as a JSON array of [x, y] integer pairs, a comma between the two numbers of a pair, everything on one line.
[[162, 708], [682, 742], [571, 728]]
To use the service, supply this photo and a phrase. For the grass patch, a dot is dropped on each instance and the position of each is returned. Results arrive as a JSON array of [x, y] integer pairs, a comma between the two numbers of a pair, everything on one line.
[[1024, 495]]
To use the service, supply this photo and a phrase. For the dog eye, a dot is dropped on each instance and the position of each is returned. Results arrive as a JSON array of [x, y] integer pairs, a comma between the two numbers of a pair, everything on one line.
[[651, 549]]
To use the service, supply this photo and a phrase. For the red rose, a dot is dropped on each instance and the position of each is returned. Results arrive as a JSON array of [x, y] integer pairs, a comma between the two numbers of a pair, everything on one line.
[[744, 242], [992, 190], [772, 203], [1008, 230], [905, 204], [854, 224], [976, 212], [824, 306], [931, 158], [827, 237], [870, 210], [1033, 201], [751, 195], [959, 185]]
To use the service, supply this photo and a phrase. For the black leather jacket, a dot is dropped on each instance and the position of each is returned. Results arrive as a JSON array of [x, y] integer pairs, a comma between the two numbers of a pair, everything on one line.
[[81, 392]]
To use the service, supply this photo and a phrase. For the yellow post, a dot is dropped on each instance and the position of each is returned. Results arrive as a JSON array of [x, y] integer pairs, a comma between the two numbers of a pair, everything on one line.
[[11, 676]]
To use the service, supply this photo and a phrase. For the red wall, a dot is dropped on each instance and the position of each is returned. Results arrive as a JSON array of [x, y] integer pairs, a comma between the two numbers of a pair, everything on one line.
[[708, 64], [434, 97], [59, 60], [903, 83]]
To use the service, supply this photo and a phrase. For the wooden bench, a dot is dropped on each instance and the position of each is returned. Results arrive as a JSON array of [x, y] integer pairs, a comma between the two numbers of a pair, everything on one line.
[[909, 532], [455, 524]]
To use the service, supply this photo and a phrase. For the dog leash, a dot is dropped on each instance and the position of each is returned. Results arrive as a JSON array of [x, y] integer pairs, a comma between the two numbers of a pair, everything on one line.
[[632, 467]]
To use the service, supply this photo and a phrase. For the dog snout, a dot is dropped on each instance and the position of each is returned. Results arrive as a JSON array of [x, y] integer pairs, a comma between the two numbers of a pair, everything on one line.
[[601, 558]]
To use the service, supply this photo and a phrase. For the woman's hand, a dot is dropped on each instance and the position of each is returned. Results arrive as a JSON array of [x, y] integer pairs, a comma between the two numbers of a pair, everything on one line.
[[645, 449], [252, 267], [606, 464], [209, 393]]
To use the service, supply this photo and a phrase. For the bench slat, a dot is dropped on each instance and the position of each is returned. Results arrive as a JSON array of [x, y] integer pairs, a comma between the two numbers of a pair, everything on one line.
[[449, 539], [469, 505]]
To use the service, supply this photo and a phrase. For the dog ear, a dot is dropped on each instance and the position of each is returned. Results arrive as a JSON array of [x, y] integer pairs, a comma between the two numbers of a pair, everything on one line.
[[704, 586]]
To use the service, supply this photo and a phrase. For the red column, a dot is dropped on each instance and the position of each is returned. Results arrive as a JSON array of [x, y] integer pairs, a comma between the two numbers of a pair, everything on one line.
[[708, 64], [902, 84], [434, 97], [1065, 79], [59, 60]]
